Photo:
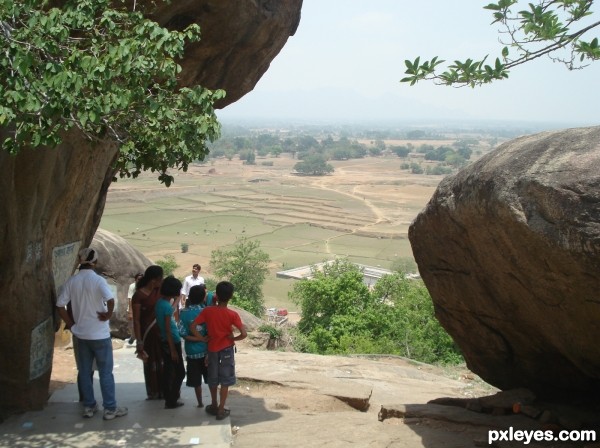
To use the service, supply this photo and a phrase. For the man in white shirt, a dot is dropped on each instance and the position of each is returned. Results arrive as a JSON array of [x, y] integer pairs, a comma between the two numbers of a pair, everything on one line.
[[190, 280], [92, 306]]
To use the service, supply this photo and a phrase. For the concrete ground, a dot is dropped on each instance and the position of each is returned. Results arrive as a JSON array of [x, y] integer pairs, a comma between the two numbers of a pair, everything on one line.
[[60, 424]]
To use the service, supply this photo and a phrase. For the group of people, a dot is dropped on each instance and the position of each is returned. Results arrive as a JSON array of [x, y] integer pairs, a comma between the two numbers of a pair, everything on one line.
[[163, 313]]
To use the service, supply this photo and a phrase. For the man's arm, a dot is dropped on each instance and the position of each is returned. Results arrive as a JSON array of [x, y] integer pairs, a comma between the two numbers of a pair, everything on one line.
[[106, 315], [61, 304], [64, 315]]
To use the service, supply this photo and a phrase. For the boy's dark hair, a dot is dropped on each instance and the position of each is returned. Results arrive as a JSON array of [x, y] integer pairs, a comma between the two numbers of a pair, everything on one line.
[[197, 266], [170, 287], [224, 291], [197, 295]]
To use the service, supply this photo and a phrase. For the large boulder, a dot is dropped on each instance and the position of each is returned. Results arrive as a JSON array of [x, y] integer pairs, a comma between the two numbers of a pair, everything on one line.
[[260, 28], [51, 199], [509, 249]]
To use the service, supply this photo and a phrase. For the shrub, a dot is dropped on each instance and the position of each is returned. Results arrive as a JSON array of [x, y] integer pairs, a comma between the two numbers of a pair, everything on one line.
[[340, 316], [438, 169], [168, 264], [273, 331], [211, 283], [184, 247], [415, 168]]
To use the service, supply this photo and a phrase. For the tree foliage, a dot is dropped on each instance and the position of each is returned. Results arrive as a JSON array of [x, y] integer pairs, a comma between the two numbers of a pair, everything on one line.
[[340, 316], [245, 265], [401, 151], [553, 28], [106, 70], [169, 264], [315, 165]]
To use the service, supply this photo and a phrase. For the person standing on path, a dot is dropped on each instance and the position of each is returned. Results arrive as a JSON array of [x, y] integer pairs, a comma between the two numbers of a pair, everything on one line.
[[174, 371], [191, 280], [219, 321], [148, 347], [92, 305], [195, 349]]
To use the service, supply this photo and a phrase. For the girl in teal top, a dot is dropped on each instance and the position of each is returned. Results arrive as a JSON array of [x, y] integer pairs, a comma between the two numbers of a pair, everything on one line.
[[195, 349]]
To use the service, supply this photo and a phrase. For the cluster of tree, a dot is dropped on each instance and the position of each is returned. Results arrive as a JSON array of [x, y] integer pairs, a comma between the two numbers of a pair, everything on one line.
[[314, 165], [300, 146], [457, 155], [260, 145], [430, 170], [340, 315], [248, 157], [246, 266]]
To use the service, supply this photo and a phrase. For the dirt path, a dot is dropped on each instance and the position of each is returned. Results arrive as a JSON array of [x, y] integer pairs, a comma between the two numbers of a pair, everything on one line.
[[322, 184]]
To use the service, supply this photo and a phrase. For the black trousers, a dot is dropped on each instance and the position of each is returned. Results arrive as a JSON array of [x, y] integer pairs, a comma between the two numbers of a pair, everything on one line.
[[174, 373]]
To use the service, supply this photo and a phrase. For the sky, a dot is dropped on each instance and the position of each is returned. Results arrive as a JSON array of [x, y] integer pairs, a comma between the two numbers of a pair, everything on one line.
[[347, 57]]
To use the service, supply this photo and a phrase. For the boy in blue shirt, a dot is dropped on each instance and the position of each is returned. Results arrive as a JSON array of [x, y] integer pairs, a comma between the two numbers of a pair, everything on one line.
[[195, 349], [174, 371]]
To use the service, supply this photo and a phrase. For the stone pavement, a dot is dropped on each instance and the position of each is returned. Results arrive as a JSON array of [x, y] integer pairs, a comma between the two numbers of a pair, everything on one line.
[[281, 400], [148, 424]]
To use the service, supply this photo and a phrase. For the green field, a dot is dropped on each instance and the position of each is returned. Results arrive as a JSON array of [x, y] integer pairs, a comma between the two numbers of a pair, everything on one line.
[[362, 213]]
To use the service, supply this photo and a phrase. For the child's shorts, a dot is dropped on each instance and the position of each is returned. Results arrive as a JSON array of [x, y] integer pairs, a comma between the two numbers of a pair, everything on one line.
[[196, 370], [221, 367]]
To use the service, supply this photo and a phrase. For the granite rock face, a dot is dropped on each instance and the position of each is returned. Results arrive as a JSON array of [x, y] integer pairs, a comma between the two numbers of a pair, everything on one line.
[[51, 200], [509, 249], [50, 205], [250, 34]]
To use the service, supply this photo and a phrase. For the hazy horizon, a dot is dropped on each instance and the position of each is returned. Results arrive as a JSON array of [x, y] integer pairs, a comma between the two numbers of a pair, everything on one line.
[[345, 62]]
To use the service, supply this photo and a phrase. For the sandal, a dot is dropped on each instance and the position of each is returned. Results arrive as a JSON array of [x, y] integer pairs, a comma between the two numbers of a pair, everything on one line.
[[223, 415], [211, 409]]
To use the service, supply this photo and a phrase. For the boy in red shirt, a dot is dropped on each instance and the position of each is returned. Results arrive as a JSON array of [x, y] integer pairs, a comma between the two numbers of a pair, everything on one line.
[[221, 346]]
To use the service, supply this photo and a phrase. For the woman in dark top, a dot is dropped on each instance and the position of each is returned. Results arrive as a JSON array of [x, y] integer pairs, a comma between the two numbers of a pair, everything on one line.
[[148, 346]]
